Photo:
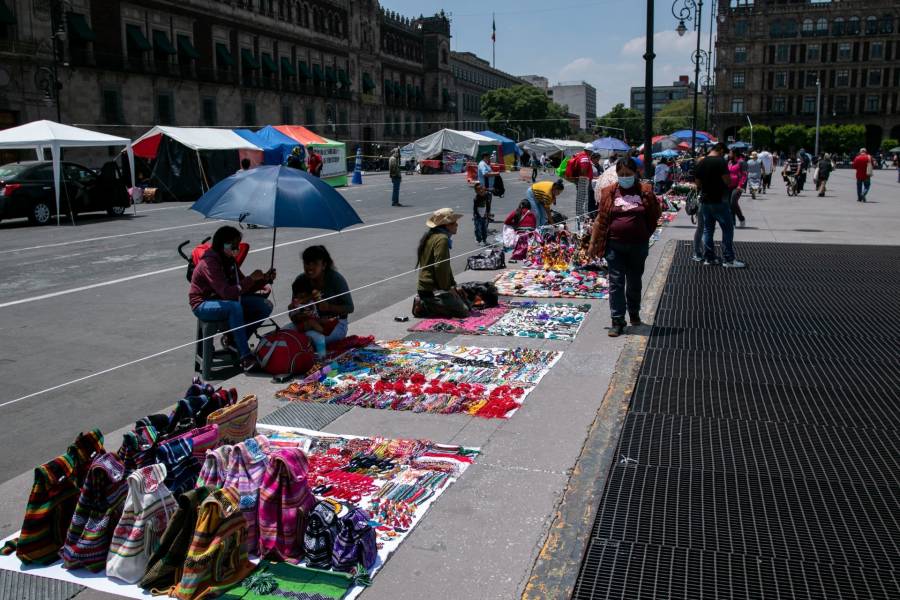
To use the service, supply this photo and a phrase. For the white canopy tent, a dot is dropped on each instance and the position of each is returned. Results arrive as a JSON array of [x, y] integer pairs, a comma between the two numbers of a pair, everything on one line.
[[195, 138], [41, 135], [538, 146], [463, 142]]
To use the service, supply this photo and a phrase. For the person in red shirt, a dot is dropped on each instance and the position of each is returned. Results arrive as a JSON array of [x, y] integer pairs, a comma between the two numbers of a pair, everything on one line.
[[863, 165], [315, 163], [584, 167]]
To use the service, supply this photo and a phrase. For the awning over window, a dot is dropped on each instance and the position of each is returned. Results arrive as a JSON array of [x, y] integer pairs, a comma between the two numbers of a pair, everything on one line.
[[224, 55], [248, 60], [137, 38], [287, 66], [78, 26], [317, 73], [162, 44], [305, 73], [368, 83], [187, 48], [268, 64], [6, 15]]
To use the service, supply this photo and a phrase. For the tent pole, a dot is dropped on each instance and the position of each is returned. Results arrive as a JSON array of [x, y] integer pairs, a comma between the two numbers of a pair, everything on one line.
[[272, 263], [54, 154], [203, 180], [130, 152]]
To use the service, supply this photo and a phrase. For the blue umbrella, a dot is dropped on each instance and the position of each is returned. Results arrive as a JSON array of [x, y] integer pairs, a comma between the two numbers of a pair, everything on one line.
[[610, 143], [277, 196], [665, 154], [739, 146], [685, 134]]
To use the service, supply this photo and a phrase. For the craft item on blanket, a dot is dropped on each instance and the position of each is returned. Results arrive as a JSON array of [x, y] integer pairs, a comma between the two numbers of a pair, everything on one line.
[[533, 283], [148, 507], [236, 422], [355, 542], [321, 529], [425, 377], [51, 503], [182, 467], [285, 502], [245, 472], [138, 448], [555, 321], [277, 581], [477, 321], [98, 510], [215, 466]]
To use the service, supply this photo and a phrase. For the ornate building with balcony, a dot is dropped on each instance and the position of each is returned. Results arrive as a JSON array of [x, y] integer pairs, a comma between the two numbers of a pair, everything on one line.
[[771, 53], [347, 69]]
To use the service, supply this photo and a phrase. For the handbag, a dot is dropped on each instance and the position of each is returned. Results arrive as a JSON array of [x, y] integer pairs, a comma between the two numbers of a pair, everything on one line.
[[182, 468], [236, 422], [489, 260], [285, 502], [355, 543], [202, 439], [138, 447], [245, 472], [321, 530], [870, 169], [54, 495], [214, 466], [96, 515]]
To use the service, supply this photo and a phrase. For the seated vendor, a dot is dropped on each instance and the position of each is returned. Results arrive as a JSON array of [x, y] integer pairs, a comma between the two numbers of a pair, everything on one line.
[[437, 293], [522, 218], [542, 196], [221, 292], [320, 283]]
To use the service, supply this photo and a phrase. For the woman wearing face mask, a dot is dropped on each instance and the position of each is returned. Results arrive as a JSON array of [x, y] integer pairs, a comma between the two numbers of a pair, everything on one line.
[[437, 293], [221, 292], [626, 219]]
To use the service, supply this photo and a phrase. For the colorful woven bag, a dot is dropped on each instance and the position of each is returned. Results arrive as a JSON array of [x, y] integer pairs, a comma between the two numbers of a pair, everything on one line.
[[215, 466], [217, 558], [148, 507], [52, 501], [138, 448], [245, 472], [202, 439], [355, 543], [236, 422], [321, 529], [181, 466], [285, 502], [96, 515], [164, 566]]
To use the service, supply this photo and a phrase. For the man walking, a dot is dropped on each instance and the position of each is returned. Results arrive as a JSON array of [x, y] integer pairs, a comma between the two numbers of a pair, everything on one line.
[[315, 163], [394, 172], [768, 164], [713, 180], [864, 168]]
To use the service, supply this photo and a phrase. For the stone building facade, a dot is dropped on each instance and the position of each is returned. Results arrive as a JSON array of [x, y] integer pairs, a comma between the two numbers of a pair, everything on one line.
[[475, 77], [770, 53], [347, 69]]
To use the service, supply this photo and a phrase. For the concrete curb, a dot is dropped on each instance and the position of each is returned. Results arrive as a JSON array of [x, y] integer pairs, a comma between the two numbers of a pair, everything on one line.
[[556, 568]]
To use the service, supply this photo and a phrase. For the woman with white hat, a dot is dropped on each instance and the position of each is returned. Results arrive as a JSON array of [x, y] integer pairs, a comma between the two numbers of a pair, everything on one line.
[[437, 293]]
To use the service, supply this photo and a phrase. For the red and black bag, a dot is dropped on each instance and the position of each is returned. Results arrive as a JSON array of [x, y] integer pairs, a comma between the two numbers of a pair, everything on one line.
[[285, 351]]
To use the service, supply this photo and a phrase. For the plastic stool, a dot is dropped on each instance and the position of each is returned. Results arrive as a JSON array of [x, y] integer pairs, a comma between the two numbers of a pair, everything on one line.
[[206, 356]]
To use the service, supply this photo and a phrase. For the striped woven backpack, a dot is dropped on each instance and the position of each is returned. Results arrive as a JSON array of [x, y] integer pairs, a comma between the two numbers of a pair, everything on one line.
[[245, 471], [285, 502]]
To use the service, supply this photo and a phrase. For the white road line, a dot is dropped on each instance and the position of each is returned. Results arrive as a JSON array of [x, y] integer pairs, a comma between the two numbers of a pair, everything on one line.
[[182, 266], [441, 188], [149, 210]]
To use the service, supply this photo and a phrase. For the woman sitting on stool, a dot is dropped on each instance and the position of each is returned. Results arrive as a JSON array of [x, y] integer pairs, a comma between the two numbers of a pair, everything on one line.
[[325, 321], [437, 293], [221, 292]]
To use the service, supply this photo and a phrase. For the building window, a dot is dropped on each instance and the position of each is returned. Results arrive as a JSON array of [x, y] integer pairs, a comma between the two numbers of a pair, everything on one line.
[[779, 105], [742, 27], [853, 26], [873, 103], [112, 106], [813, 53], [136, 45], [249, 112], [809, 104], [875, 78], [871, 25], [165, 109], [737, 105], [808, 28], [287, 114], [844, 51], [887, 24], [811, 78], [841, 104], [209, 112], [876, 51], [782, 52], [781, 79], [821, 26], [737, 80], [740, 54], [837, 26], [842, 78]]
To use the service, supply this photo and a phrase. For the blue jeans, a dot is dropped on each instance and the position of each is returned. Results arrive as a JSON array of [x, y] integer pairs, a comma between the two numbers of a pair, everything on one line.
[[320, 340], [862, 188], [395, 196], [251, 307], [698, 235], [626, 268], [481, 228], [718, 213]]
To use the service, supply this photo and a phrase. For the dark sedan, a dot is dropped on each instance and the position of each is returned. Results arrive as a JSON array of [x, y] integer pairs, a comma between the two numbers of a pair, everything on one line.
[[26, 190]]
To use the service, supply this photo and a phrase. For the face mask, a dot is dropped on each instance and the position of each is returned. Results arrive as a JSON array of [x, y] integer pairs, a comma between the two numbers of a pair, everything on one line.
[[626, 182]]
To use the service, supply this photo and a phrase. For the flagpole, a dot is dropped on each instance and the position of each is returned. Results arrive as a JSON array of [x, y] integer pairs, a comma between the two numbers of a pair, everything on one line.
[[494, 40]]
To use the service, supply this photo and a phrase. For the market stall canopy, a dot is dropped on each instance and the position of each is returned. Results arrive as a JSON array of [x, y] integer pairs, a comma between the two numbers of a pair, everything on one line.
[[300, 134], [195, 138], [463, 142], [538, 146], [41, 135], [275, 145], [334, 154], [610, 144], [685, 134], [508, 145]]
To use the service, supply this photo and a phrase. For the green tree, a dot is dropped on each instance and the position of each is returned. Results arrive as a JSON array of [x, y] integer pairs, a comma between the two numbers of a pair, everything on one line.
[[790, 137], [852, 138], [632, 121], [526, 109], [761, 135], [678, 115], [887, 144], [829, 138]]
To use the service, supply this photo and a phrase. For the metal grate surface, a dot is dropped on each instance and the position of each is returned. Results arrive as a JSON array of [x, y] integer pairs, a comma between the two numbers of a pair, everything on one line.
[[309, 415], [760, 457], [22, 586]]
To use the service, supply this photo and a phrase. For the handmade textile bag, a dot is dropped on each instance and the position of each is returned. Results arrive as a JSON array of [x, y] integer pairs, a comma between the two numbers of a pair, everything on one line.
[[96, 515], [52, 501], [217, 557], [182, 468], [520, 251], [164, 566], [355, 542], [236, 422], [215, 466], [284, 503], [489, 260], [146, 514], [202, 439], [138, 448], [321, 530], [245, 473], [285, 351]]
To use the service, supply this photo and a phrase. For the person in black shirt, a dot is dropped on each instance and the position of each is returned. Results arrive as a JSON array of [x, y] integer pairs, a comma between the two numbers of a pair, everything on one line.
[[481, 211], [713, 180]]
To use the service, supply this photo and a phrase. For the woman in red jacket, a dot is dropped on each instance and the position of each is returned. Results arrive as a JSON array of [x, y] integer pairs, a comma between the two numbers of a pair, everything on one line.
[[626, 218], [221, 292]]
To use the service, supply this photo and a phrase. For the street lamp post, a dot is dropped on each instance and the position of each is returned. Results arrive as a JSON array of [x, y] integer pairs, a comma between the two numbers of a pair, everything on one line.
[[691, 10], [818, 111], [648, 95]]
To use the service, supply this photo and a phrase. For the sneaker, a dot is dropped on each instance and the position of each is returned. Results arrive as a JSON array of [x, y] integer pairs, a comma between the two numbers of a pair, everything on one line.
[[712, 263], [249, 363], [696, 258], [735, 264], [635, 320], [617, 329]]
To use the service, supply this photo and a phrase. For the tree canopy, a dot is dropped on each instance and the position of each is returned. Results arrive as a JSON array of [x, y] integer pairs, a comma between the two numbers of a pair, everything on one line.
[[632, 121], [678, 115], [761, 135], [524, 110]]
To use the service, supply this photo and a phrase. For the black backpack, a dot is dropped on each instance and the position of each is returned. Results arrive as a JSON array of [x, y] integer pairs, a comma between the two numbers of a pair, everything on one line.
[[489, 260], [499, 188]]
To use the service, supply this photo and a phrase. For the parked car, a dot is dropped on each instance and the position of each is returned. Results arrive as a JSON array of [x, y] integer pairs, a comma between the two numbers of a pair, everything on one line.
[[26, 190]]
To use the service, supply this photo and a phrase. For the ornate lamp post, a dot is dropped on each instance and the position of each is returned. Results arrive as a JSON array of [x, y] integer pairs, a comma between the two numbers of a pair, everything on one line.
[[692, 11]]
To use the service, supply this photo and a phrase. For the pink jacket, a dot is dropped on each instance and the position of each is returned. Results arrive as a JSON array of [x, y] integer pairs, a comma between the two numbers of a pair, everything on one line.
[[738, 175], [212, 280]]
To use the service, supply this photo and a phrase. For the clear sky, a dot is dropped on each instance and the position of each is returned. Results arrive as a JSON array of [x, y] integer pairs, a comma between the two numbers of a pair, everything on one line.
[[599, 41]]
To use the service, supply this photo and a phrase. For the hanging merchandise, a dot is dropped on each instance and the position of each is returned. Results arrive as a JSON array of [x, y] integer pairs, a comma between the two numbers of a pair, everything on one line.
[[285, 503], [244, 473], [236, 422], [148, 508], [215, 466], [51, 503], [98, 510]]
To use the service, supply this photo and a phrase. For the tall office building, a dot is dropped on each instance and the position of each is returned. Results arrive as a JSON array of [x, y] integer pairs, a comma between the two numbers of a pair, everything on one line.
[[581, 98]]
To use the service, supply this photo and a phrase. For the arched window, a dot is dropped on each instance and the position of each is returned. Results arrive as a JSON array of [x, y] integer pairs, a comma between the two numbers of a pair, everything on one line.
[[822, 26], [808, 27], [871, 25], [853, 26]]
